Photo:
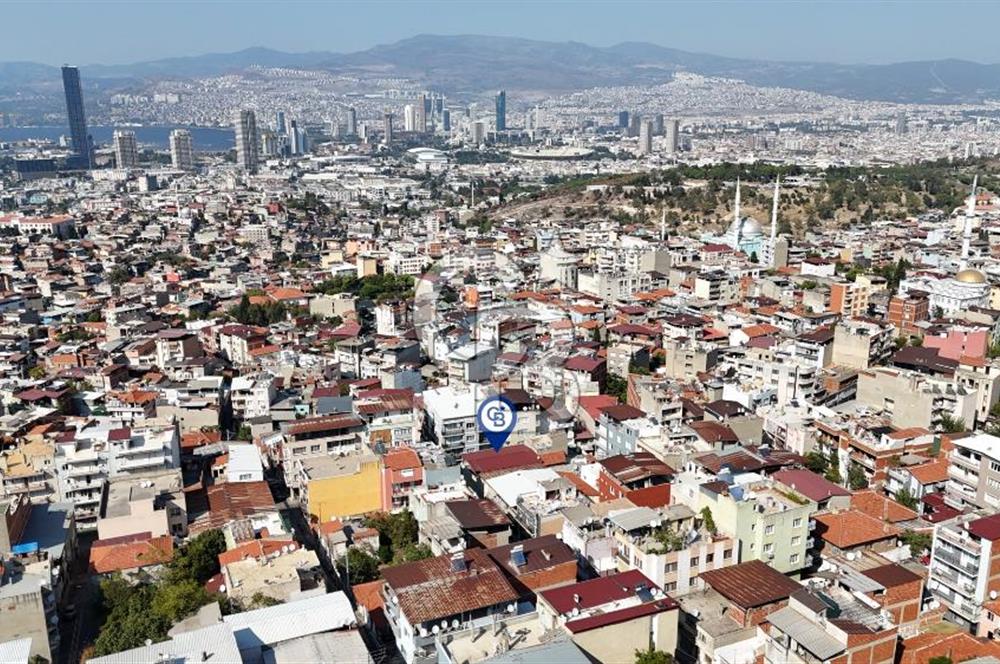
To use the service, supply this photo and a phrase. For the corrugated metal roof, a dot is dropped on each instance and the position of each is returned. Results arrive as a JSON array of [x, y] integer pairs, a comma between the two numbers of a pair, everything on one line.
[[291, 620], [806, 633]]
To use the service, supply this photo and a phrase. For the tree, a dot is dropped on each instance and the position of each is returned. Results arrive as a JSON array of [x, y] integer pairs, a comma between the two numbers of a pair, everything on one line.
[[708, 520], [199, 559], [37, 372], [244, 433], [652, 656], [176, 601], [617, 387], [917, 541], [951, 424], [940, 659], [833, 473], [856, 477], [358, 566], [817, 463], [905, 498]]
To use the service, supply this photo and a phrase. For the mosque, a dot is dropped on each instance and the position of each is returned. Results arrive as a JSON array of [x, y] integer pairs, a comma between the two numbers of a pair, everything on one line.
[[745, 233], [968, 288]]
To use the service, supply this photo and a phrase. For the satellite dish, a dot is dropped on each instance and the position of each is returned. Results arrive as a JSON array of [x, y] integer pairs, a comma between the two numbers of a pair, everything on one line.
[[222, 588], [436, 629]]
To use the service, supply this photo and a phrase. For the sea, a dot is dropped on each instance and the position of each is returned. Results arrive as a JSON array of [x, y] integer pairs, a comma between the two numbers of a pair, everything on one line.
[[205, 139]]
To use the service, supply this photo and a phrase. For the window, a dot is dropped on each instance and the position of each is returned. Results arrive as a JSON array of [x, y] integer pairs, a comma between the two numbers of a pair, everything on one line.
[[769, 530], [727, 554], [796, 540], [995, 466], [314, 448], [797, 523], [695, 561], [753, 545], [709, 557], [794, 558], [768, 548], [670, 568], [668, 587]]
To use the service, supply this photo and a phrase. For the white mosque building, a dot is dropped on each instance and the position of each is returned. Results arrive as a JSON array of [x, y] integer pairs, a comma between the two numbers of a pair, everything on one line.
[[968, 288], [745, 233]]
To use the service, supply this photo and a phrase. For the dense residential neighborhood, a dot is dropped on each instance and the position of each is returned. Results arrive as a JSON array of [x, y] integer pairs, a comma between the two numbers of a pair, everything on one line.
[[755, 401]]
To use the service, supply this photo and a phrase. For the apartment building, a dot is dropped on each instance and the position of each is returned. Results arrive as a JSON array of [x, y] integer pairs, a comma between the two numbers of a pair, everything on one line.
[[316, 437], [859, 344], [85, 460], [851, 299], [668, 547], [450, 418], [912, 399], [770, 522], [963, 565], [974, 473]]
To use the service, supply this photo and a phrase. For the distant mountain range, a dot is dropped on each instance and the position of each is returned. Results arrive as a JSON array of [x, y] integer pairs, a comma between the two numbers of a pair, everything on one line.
[[474, 63]]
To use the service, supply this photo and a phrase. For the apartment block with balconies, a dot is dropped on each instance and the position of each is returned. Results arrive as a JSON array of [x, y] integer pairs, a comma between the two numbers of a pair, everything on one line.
[[974, 473], [964, 565]]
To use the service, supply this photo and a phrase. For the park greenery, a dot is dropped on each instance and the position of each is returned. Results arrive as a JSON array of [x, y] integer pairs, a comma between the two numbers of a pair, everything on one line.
[[376, 287]]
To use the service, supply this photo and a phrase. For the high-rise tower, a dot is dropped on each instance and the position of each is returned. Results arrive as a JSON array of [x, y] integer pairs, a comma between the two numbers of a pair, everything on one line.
[[246, 140], [126, 149], [181, 149], [501, 110], [83, 153]]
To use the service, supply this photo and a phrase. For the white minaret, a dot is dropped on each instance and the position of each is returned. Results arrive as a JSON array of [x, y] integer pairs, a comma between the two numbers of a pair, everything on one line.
[[736, 206], [970, 210], [663, 225], [774, 211]]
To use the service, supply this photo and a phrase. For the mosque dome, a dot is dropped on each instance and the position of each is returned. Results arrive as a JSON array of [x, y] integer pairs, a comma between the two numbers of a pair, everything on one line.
[[751, 227], [971, 276]]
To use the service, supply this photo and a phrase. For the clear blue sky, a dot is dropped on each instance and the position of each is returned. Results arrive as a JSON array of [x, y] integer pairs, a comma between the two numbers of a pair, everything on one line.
[[91, 32]]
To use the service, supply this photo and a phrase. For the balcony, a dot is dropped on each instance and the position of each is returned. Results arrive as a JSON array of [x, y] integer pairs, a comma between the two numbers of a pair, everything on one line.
[[956, 459], [955, 561], [957, 540]]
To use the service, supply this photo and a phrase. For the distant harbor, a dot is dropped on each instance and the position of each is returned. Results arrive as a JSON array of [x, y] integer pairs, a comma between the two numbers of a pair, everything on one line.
[[205, 139]]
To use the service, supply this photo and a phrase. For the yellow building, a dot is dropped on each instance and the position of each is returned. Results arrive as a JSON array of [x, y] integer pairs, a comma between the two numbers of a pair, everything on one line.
[[335, 487]]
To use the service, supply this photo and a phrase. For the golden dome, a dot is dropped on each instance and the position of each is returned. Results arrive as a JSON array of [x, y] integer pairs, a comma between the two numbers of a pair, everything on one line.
[[971, 277]]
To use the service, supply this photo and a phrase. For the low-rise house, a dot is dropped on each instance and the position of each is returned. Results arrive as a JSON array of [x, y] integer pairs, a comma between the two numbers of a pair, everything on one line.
[[611, 617]]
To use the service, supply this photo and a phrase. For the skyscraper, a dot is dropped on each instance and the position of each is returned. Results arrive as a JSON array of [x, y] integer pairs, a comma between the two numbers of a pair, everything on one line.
[[446, 120], [83, 154], [633, 124], [181, 150], [421, 114], [246, 141], [126, 150], [409, 118], [294, 138], [658, 124], [352, 122], [387, 128], [645, 136], [279, 123], [672, 131], [623, 119], [501, 110]]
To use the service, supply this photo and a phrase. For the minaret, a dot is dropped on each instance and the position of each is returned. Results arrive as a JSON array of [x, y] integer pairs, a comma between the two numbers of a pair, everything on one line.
[[970, 210], [774, 211], [736, 207], [663, 225]]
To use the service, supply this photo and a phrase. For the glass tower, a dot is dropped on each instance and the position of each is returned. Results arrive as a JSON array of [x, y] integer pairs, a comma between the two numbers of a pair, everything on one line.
[[83, 156]]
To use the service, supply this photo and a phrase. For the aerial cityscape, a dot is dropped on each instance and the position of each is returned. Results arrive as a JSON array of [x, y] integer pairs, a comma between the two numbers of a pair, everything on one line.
[[373, 343]]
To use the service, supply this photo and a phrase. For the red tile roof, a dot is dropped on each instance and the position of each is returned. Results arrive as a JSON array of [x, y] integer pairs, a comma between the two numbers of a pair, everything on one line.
[[750, 584], [599, 592], [130, 552], [431, 589], [810, 485], [510, 457], [852, 528]]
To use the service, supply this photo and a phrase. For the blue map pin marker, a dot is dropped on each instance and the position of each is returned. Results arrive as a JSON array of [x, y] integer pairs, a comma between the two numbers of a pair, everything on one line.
[[496, 417]]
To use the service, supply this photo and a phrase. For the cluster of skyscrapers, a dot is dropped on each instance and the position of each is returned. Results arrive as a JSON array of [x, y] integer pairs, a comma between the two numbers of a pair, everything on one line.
[[646, 128]]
